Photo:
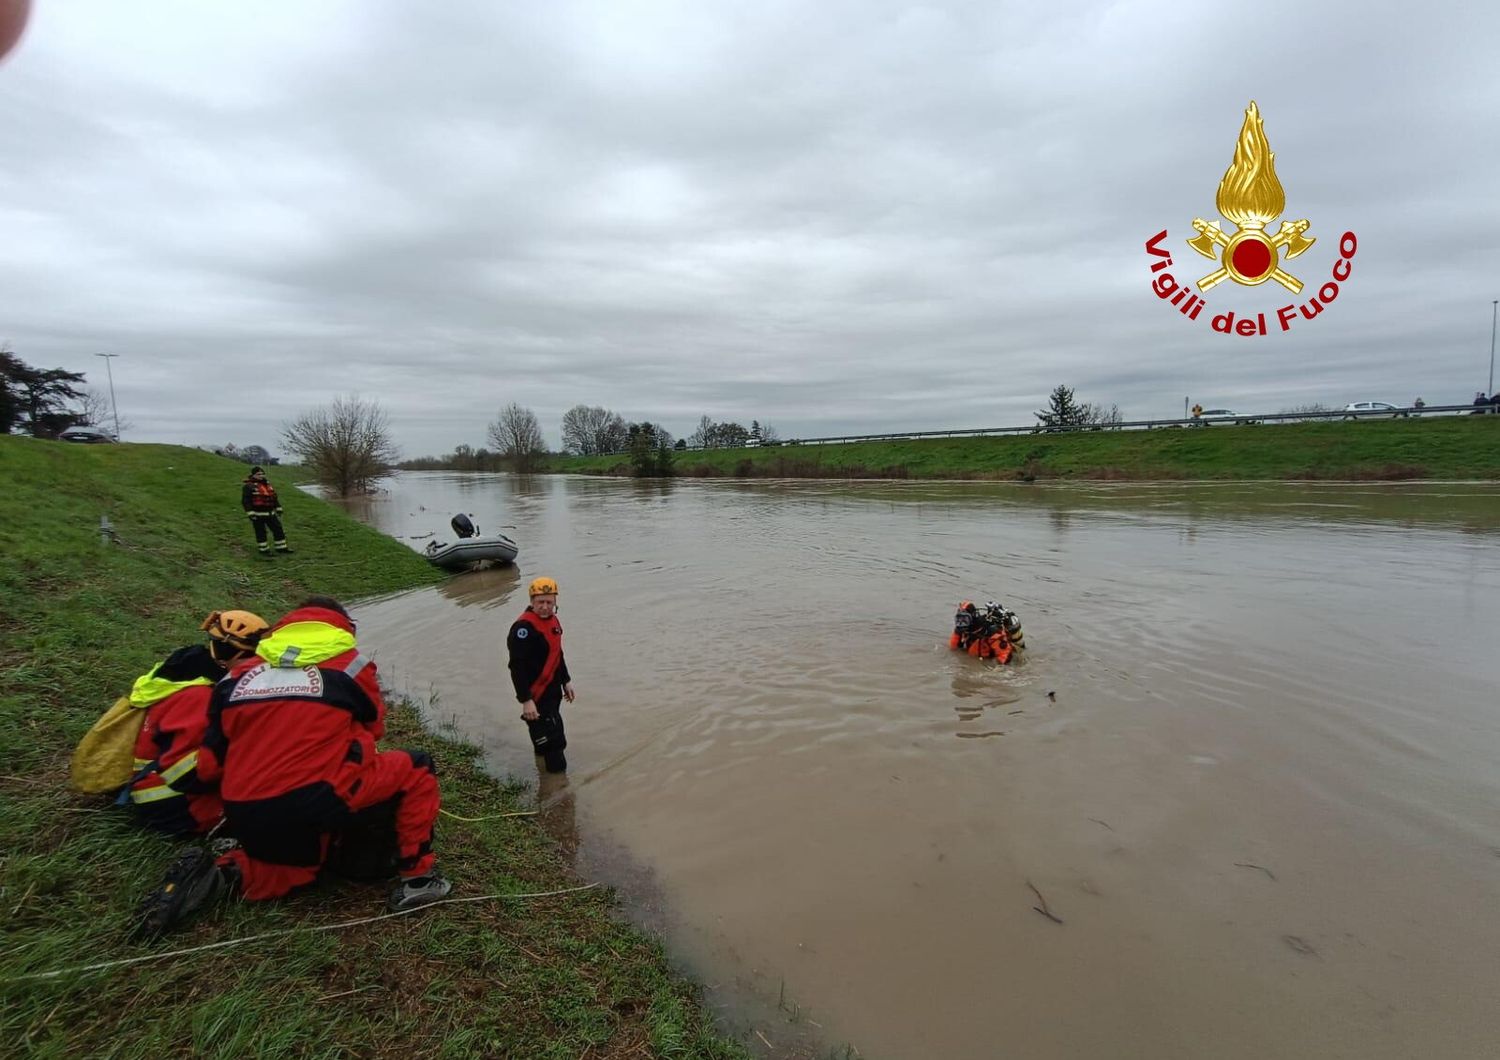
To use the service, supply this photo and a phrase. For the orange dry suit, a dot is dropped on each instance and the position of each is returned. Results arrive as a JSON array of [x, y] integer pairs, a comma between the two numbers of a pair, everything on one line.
[[166, 792], [976, 633]]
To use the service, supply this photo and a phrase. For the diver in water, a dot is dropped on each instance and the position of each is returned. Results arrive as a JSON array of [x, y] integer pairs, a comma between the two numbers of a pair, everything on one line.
[[990, 632]]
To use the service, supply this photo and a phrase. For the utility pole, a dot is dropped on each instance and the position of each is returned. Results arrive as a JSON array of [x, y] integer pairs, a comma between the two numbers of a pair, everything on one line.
[[1494, 307], [110, 372]]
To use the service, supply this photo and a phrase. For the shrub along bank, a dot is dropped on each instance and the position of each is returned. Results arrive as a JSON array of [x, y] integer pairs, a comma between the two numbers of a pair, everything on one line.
[[1449, 447], [549, 977]]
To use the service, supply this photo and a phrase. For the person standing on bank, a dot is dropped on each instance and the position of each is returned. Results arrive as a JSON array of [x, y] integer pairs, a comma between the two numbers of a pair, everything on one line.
[[258, 498], [540, 673]]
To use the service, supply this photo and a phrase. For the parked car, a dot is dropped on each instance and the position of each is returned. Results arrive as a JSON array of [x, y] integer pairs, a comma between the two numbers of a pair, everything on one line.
[[1221, 416], [1355, 409], [87, 435]]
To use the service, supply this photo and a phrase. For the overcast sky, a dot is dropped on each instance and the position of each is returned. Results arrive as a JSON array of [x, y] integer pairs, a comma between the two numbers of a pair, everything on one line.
[[829, 216]]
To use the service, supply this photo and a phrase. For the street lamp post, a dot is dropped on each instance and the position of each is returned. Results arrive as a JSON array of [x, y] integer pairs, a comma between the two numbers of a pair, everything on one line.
[[110, 372], [1494, 307]]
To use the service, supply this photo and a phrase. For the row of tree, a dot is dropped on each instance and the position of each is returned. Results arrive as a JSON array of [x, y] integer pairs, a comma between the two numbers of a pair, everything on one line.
[[588, 430], [1063, 411], [518, 445], [711, 435]]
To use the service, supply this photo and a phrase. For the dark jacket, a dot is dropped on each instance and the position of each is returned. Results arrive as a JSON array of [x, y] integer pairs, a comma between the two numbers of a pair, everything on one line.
[[529, 652], [259, 497]]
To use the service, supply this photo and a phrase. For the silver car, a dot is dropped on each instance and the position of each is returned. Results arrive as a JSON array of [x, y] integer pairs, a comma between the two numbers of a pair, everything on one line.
[[1356, 409]]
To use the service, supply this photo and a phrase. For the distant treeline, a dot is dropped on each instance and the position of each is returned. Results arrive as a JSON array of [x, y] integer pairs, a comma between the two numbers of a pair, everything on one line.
[[590, 430]]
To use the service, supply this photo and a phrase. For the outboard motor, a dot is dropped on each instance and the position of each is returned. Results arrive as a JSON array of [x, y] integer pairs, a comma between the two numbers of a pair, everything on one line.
[[463, 526]]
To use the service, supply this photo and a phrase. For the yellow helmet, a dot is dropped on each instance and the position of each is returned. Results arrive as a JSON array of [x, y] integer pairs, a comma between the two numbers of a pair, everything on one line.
[[238, 629], [541, 586]]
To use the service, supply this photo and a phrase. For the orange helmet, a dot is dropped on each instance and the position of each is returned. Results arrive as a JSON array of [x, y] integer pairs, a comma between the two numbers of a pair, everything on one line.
[[239, 629], [541, 587]]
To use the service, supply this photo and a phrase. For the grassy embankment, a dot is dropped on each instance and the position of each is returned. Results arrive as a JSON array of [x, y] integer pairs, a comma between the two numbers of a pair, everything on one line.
[[1449, 447], [551, 977]]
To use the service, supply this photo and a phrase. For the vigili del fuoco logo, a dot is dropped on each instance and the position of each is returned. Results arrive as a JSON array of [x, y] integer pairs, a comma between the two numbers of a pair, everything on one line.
[[1252, 198]]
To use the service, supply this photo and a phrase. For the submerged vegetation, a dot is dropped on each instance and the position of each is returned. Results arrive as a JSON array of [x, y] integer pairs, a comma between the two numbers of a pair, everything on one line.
[[1450, 447], [84, 613]]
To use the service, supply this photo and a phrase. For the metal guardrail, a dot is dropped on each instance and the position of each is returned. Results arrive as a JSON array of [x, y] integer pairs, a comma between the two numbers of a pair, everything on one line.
[[1200, 421], [1138, 425]]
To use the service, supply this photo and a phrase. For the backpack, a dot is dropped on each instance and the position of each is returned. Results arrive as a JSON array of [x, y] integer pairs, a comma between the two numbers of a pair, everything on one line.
[[104, 760]]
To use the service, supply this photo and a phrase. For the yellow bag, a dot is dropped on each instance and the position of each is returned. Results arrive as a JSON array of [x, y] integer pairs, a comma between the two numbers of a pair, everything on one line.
[[105, 758]]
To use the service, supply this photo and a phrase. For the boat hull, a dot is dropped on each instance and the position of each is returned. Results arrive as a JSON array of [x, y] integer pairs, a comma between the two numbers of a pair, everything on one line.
[[460, 555]]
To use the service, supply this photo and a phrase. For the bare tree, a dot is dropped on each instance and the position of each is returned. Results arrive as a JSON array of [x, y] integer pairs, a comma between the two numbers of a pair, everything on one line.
[[518, 436], [96, 410], [613, 435], [347, 444], [769, 435], [1099, 416], [729, 436], [589, 430], [702, 436]]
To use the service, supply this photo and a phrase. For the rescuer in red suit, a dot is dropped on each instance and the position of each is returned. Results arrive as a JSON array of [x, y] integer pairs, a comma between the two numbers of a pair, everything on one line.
[[291, 740], [166, 792]]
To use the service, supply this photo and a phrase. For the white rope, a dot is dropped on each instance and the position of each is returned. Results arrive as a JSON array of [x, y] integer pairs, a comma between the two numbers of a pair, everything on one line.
[[288, 931]]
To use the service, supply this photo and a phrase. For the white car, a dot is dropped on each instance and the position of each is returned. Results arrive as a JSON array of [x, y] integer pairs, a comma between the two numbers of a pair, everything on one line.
[[1356, 409]]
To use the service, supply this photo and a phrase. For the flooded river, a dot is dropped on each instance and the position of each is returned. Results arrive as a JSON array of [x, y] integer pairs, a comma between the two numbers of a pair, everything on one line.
[[1249, 761]]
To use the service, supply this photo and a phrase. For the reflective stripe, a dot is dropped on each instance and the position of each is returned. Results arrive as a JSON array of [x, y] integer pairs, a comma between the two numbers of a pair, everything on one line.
[[150, 689], [289, 657], [181, 768], [359, 663], [153, 794], [141, 763]]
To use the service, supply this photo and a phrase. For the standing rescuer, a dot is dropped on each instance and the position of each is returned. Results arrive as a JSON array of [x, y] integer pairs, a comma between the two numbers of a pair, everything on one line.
[[540, 673], [258, 498]]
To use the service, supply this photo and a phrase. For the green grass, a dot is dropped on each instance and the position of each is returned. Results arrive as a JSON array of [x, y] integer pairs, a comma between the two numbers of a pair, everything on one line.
[[551, 977], [1449, 447]]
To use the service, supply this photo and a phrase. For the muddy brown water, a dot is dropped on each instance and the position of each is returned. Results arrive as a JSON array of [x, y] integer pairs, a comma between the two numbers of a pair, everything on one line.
[[1263, 799]]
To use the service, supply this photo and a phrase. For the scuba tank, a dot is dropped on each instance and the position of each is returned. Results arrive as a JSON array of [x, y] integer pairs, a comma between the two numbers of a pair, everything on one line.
[[1001, 617]]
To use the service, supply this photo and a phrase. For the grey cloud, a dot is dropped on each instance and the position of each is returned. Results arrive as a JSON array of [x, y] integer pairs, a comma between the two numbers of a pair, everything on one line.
[[833, 218]]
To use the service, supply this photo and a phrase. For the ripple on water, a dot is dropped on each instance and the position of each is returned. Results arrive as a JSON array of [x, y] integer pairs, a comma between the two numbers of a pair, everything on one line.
[[1248, 674]]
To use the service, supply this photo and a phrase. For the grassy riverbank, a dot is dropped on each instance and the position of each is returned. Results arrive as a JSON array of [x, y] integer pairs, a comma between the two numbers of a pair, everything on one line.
[[1450, 447], [549, 977]]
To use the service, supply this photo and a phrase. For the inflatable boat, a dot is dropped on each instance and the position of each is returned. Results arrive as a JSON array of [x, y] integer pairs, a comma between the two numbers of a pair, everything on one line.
[[472, 547]]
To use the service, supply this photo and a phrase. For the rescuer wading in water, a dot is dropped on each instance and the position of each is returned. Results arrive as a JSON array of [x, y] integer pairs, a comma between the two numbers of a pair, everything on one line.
[[540, 673]]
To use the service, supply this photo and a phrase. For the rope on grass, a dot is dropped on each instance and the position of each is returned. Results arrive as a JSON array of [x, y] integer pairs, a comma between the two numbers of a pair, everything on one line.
[[56, 973], [489, 817]]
